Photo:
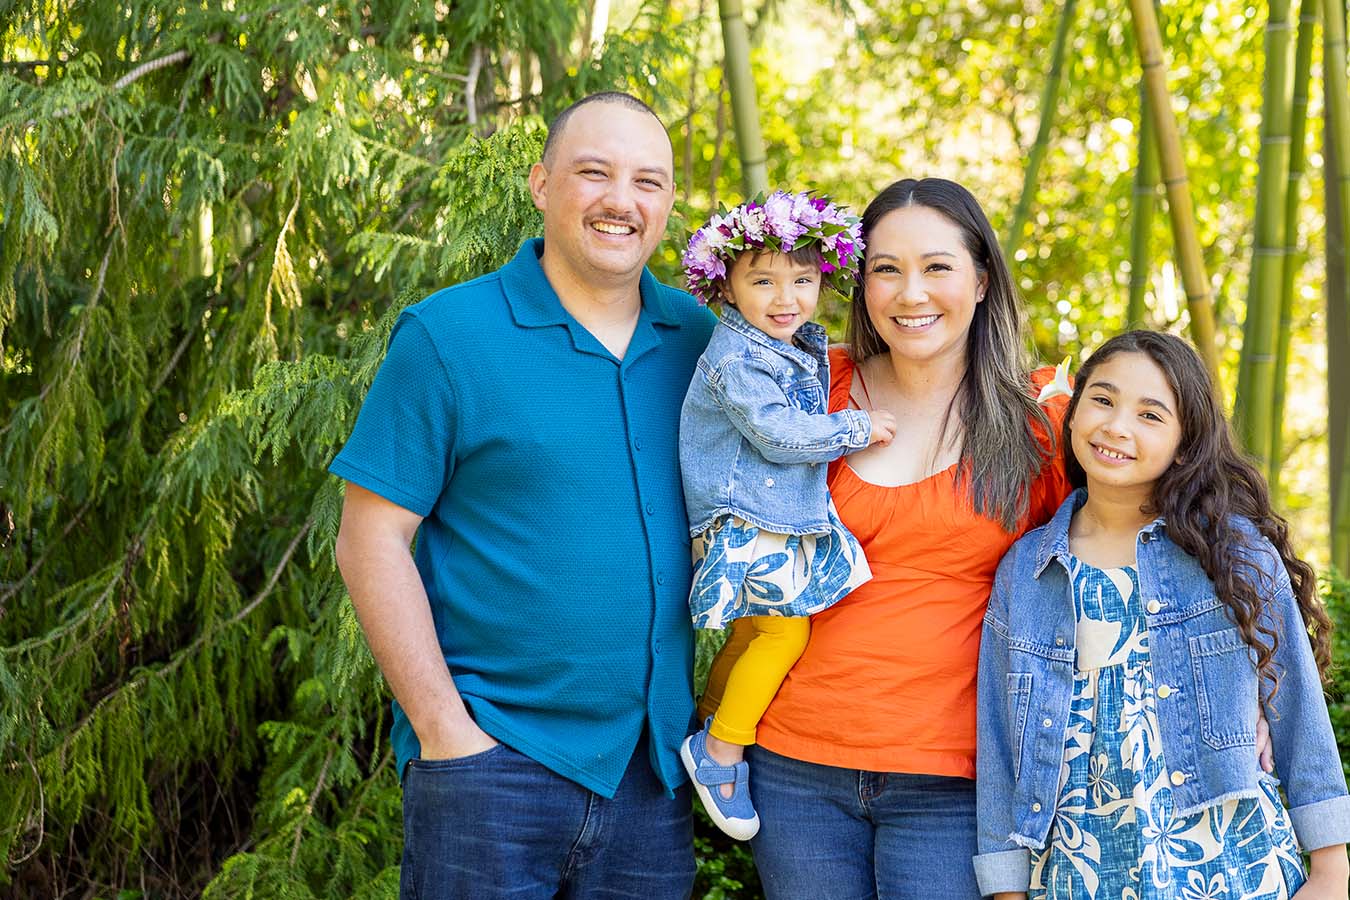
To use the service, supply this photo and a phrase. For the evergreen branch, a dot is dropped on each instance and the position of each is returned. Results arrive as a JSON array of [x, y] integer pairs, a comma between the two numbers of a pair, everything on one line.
[[129, 78], [196, 645], [136, 547], [309, 804], [40, 818], [14, 588]]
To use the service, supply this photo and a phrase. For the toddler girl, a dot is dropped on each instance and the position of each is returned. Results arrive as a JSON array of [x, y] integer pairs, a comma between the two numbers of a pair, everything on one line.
[[1127, 651], [754, 437]]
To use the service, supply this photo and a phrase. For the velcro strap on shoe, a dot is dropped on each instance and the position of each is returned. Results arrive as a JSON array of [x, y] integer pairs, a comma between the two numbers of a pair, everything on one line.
[[710, 775]]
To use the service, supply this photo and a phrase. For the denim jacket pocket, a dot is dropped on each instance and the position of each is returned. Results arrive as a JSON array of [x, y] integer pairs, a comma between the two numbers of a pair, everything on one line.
[[806, 393], [1019, 702], [1225, 688]]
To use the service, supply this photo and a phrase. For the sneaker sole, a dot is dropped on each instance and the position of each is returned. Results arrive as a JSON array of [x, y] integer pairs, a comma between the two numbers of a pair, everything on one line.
[[739, 829]]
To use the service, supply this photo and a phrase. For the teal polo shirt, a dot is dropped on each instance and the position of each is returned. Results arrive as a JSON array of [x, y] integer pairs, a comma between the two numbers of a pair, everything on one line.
[[554, 545]]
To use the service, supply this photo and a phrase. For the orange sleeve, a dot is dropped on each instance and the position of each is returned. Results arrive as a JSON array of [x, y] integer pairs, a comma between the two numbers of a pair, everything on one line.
[[1052, 485]]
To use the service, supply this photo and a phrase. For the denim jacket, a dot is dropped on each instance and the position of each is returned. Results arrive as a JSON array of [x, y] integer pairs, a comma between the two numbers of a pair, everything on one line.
[[754, 434], [1206, 716]]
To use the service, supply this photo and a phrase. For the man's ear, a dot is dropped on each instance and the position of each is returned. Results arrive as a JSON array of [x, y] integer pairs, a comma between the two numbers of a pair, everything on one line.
[[539, 186]]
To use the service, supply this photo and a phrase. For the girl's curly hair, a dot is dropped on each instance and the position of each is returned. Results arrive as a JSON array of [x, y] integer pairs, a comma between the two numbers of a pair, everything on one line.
[[1199, 495]]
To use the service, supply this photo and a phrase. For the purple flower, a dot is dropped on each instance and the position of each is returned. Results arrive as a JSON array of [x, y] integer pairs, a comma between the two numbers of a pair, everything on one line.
[[778, 215]]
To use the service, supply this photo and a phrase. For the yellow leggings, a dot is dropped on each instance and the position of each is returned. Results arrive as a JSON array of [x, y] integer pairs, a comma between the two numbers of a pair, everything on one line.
[[748, 672]]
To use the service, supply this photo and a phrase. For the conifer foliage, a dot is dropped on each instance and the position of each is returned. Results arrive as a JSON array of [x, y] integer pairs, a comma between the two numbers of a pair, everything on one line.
[[210, 215]]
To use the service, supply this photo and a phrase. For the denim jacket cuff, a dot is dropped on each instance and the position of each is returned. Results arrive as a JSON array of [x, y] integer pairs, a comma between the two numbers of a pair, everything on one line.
[[860, 431], [1322, 824], [1003, 870]]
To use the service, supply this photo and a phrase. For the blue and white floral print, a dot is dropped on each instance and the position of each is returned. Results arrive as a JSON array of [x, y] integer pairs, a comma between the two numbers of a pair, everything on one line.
[[1115, 835], [741, 570]]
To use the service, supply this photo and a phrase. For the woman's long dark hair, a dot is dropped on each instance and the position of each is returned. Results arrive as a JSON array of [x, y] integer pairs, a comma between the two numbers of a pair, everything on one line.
[[1000, 451], [1200, 493]]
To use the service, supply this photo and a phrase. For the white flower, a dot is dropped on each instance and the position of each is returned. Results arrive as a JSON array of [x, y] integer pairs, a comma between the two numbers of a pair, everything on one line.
[[1060, 386]]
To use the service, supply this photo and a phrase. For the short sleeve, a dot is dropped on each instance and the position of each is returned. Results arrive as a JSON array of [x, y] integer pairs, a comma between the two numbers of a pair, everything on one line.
[[402, 446], [1051, 486]]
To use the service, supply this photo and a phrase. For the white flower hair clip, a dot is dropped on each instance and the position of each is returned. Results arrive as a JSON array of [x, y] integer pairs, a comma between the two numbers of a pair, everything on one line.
[[1058, 386]]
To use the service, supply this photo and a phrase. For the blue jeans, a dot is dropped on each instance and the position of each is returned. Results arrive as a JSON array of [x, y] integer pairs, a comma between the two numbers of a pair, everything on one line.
[[499, 824], [848, 834]]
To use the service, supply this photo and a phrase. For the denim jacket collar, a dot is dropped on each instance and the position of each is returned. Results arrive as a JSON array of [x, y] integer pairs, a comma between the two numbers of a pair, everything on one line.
[[811, 334], [1055, 539]]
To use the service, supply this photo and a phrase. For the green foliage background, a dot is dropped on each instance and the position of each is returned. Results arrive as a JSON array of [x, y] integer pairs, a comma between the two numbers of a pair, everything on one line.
[[210, 215]]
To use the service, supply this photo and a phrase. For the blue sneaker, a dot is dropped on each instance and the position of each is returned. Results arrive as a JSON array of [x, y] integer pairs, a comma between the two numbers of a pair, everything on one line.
[[735, 814]]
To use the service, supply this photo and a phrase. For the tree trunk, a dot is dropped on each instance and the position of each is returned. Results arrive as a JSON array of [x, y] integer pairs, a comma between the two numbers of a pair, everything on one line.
[[1173, 166], [1293, 260], [1337, 158], [1256, 371], [1049, 101], [719, 135], [1141, 220], [744, 106]]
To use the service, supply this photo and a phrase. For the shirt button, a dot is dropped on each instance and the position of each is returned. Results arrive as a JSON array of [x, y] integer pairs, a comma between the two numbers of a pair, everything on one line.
[[1164, 691], [1178, 778], [1035, 807], [651, 510], [660, 579], [1047, 723], [768, 482], [637, 443], [1153, 606]]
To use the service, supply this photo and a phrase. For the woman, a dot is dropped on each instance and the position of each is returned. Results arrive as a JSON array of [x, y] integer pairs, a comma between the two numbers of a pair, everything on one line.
[[865, 760]]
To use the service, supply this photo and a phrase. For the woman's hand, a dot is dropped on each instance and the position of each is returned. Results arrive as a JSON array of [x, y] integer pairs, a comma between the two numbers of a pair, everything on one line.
[[1265, 755], [1328, 875]]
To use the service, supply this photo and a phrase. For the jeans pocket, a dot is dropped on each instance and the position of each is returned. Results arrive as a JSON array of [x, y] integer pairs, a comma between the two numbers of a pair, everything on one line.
[[1225, 688], [1019, 702], [457, 762]]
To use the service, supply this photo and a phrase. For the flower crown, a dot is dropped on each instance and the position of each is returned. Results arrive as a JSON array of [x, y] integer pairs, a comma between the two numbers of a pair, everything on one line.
[[782, 223]]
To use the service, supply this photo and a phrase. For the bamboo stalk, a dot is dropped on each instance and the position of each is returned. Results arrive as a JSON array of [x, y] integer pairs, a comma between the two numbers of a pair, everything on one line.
[[1256, 370], [1173, 166], [1293, 261], [1338, 289], [1141, 218], [1049, 101], [744, 106]]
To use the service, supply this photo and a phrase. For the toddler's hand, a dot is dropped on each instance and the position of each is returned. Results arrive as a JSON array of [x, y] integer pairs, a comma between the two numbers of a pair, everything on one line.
[[883, 426]]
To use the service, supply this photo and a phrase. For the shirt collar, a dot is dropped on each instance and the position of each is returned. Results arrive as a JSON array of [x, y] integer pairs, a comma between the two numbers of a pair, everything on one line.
[[1055, 539], [534, 302]]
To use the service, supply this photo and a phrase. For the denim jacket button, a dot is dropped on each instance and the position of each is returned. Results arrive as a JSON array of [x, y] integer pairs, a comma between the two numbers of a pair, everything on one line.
[[1035, 807], [1047, 722], [1164, 691], [1059, 642], [1178, 778], [1154, 607]]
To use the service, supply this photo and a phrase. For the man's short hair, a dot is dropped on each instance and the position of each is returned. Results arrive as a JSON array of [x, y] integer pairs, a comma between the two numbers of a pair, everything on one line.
[[559, 123]]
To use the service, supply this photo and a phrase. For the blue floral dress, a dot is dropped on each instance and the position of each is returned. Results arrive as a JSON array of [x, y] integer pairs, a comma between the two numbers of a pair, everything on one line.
[[1116, 835], [742, 570]]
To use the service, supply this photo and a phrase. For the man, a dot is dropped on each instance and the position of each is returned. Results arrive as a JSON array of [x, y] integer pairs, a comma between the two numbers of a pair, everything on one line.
[[524, 426]]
